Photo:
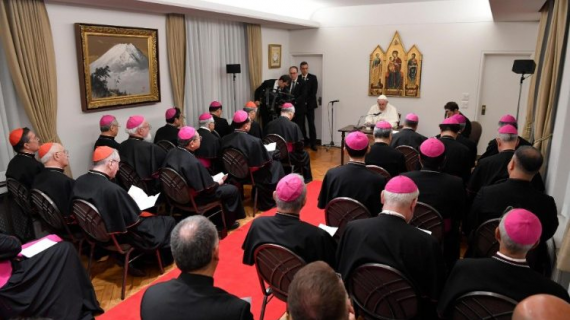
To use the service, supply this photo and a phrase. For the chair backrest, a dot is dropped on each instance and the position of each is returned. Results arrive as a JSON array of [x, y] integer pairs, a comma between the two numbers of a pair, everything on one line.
[[20, 194], [426, 217], [128, 177], [485, 244], [382, 292], [235, 163], [90, 220], [174, 185], [281, 146], [483, 305], [412, 157], [49, 212], [340, 211], [476, 131], [276, 266], [379, 170], [165, 144]]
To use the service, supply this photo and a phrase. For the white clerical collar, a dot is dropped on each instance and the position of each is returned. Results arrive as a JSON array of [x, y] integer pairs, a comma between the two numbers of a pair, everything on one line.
[[276, 85], [206, 128], [393, 213], [503, 256]]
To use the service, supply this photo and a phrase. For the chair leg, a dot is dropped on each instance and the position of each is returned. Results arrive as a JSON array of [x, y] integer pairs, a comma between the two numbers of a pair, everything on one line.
[[90, 263], [125, 271], [263, 305], [255, 202], [159, 259]]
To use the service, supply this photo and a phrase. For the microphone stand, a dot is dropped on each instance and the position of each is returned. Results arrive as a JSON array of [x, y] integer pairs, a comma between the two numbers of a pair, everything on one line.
[[330, 145], [520, 92]]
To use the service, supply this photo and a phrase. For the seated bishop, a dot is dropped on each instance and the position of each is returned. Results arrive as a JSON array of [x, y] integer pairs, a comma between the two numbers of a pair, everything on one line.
[[408, 135], [183, 161], [251, 109], [382, 154], [266, 172], [24, 167], [109, 127], [169, 131], [222, 127], [209, 152], [492, 148], [290, 131]]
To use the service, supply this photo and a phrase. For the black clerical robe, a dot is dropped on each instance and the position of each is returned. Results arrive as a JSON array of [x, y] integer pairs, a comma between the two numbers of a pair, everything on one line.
[[192, 296], [267, 172], [458, 160], [492, 148], [493, 169], [199, 179], [407, 137], [222, 127], [56, 185], [355, 181], [24, 167], [390, 159], [307, 241], [446, 194], [145, 157], [120, 212], [51, 284], [255, 129], [292, 134], [498, 274], [168, 132], [209, 150], [106, 141], [388, 239], [470, 145]]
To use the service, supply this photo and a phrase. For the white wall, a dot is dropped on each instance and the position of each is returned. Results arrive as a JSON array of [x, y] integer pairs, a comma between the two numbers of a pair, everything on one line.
[[274, 36], [77, 130], [452, 53]]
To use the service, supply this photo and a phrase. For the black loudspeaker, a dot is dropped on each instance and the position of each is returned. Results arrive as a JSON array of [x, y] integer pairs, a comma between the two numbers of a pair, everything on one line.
[[233, 68], [524, 66]]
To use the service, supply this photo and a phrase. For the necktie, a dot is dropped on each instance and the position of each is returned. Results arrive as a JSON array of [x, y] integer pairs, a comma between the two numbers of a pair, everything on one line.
[[293, 86]]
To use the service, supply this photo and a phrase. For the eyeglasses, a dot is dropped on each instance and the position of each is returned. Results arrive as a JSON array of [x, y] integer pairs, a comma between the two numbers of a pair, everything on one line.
[[199, 138], [117, 161], [66, 152], [147, 127]]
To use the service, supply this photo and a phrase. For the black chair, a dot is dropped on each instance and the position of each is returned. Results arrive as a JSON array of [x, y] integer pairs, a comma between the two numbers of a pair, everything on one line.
[[60, 225], [382, 292], [379, 170], [412, 157], [276, 266], [428, 218], [180, 195], [90, 220], [21, 223], [483, 305], [236, 165], [340, 211], [165, 145], [283, 151], [476, 131], [127, 177], [484, 242]]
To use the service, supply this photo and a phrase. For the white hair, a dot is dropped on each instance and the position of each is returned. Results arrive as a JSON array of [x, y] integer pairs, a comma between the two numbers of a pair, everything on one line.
[[133, 131], [205, 122], [288, 110], [49, 155], [111, 157], [507, 137], [400, 199], [509, 244]]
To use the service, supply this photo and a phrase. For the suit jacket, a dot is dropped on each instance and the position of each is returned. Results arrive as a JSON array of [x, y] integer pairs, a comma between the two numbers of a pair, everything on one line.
[[192, 296], [312, 88], [259, 94], [467, 131], [407, 137], [300, 92]]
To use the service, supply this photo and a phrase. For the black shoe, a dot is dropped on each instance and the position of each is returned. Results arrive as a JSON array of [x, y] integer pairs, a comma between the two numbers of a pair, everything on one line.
[[234, 226], [313, 147]]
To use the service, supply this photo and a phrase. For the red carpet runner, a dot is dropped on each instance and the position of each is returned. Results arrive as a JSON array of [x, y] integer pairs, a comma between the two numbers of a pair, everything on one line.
[[231, 275]]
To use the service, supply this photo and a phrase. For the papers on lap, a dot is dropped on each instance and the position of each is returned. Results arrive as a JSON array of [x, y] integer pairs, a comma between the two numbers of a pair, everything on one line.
[[330, 230], [38, 247], [271, 146], [141, 198], [218, 178]]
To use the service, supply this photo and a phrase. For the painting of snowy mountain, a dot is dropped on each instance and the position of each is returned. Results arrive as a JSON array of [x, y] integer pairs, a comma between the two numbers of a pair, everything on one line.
[[125, 70]]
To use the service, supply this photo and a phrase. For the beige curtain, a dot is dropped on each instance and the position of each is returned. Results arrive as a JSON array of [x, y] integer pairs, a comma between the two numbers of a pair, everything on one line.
[[254, 54], [27, 39], [176, 45]]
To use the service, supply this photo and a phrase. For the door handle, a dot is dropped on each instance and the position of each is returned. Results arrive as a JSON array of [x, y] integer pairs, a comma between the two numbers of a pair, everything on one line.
[[483, 109]]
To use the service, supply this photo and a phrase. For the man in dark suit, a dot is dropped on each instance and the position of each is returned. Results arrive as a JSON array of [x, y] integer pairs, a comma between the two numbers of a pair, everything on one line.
[[518, 192], [507, 272], [382, 154], [298, 89], [268, 95], [312, 88], [451, 108], [492, 148], [195, 247], [408, 135], [222, 126]]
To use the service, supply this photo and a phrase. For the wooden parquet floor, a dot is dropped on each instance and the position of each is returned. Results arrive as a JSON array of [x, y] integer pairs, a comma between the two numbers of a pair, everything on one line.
[[107, 275]]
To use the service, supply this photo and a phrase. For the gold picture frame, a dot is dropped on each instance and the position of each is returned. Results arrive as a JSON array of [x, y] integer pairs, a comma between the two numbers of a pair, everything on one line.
[[118, 66], [274, 57]]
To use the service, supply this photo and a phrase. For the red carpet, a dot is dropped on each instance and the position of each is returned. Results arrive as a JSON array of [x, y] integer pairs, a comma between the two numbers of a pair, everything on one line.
[[231, 275]]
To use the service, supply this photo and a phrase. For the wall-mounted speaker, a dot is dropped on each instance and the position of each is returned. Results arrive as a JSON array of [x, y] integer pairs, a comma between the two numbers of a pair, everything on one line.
[[524, 66], [233, 68]]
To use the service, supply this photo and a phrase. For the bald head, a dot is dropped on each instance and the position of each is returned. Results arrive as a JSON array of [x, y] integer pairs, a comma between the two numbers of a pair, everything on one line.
[[194, 243], [542, 306]]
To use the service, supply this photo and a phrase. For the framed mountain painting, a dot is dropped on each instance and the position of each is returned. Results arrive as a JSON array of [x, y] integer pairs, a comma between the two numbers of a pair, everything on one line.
[[118, 66]]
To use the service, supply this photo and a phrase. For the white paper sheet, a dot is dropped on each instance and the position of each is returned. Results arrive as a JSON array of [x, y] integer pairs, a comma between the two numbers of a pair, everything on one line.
[[217, 178], [330, 230], [37, 247], [424, 230], [271, 146], [141, 198]]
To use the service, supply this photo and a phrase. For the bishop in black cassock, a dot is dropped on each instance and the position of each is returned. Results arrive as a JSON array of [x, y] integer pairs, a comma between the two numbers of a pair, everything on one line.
[[209, 152], [109, 129], [198, 178], [353, 179], [169, 131], [222, 127], [255, 130], [24, 166], [458, 157], [389, 239], [492, 148], [265, 171], [119, 211], [408, 135], [507, 272], [382, 154], [286, 229], [291, 133], [52, 283]]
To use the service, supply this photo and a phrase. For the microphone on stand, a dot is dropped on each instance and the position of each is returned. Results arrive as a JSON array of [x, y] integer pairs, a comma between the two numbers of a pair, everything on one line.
[[334, 101]]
